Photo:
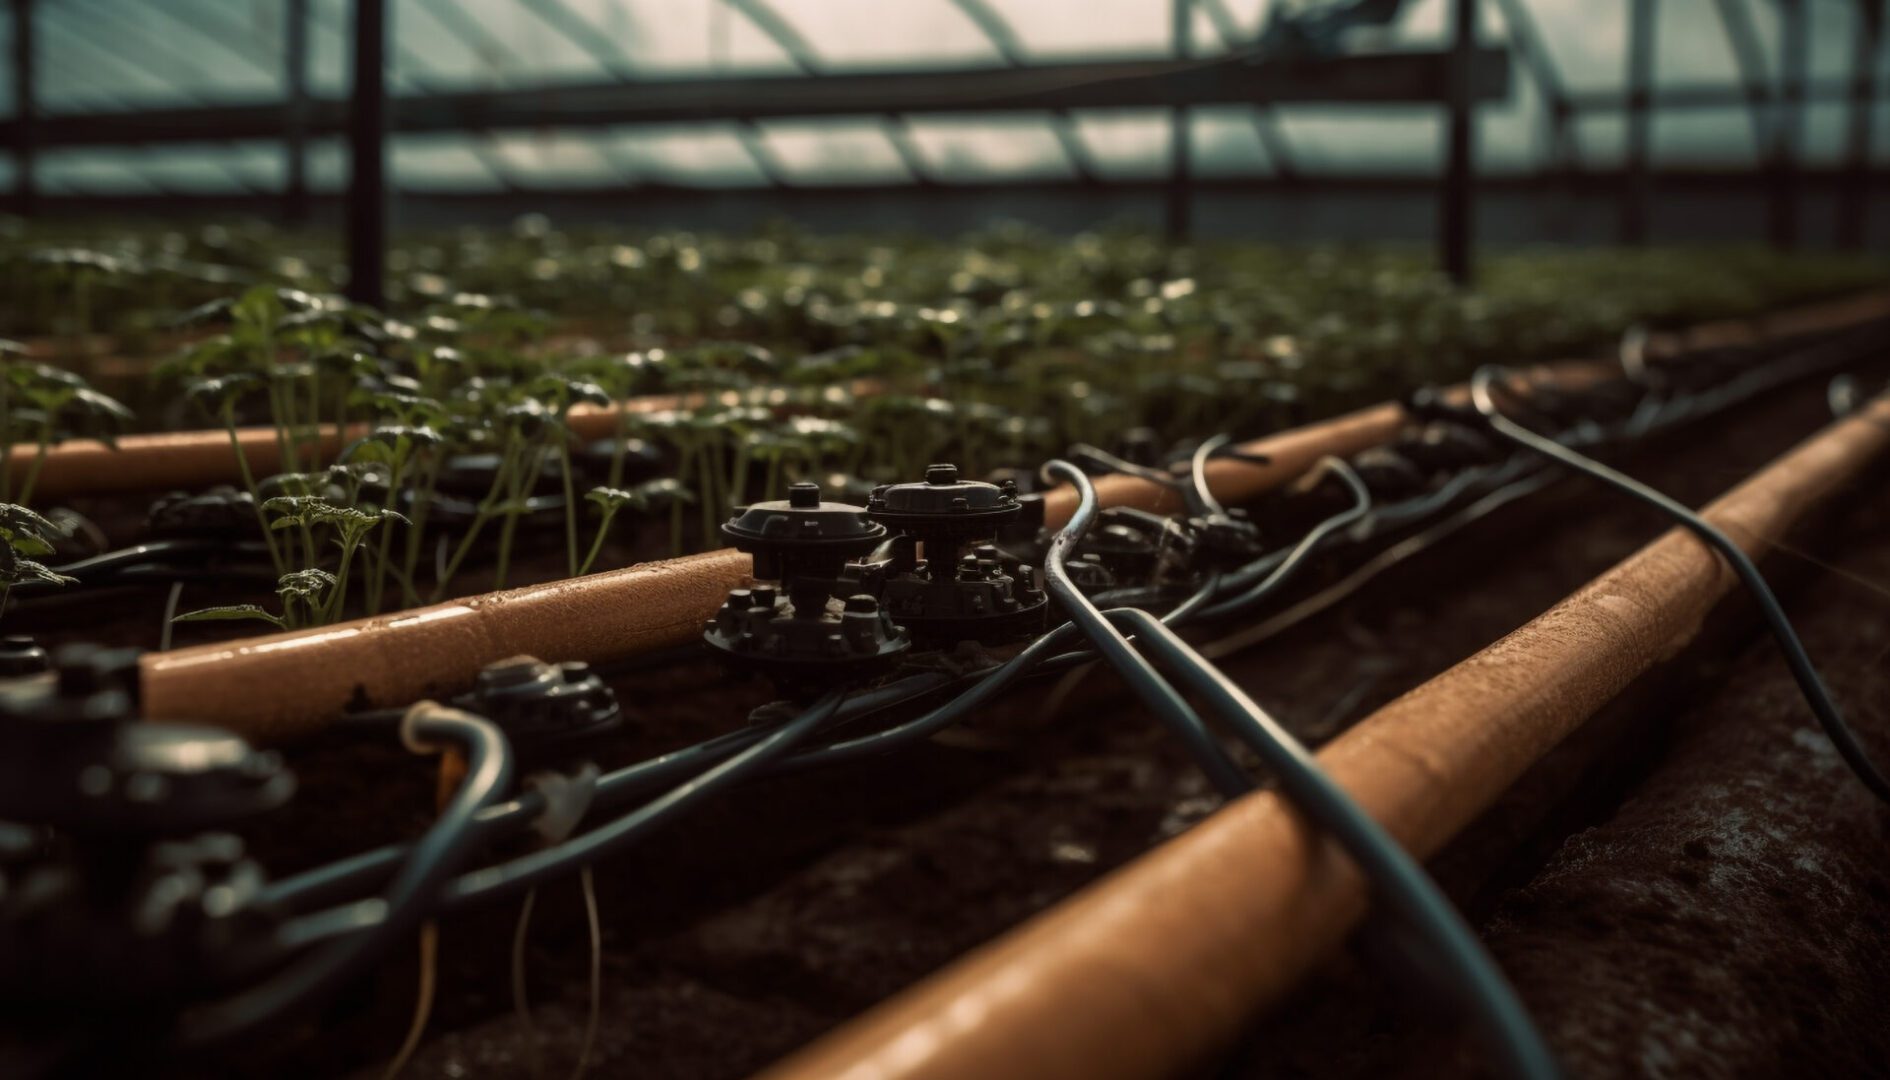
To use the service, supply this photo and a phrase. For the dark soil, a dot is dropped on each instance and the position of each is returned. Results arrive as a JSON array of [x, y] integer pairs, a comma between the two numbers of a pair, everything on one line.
[[783, 911]]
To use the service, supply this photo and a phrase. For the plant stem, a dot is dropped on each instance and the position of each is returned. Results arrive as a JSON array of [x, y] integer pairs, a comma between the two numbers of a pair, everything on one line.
[[6, 432], [622, 447], [416, 533], [338, 596], [39, 459], [249, 483], [515, 507], [480, 518], [570, 507], [603, 530], [774, 475], [379, 580]]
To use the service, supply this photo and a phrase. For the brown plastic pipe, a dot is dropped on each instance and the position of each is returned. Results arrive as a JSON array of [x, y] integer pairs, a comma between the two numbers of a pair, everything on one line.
[[324, 677], [1294, 452], [192, 460], [289, 684], [1148, 971], [1291, 454], [283, 685]]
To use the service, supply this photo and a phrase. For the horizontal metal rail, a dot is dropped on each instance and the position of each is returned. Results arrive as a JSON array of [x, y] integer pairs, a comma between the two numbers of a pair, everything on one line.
[[1412, 77]]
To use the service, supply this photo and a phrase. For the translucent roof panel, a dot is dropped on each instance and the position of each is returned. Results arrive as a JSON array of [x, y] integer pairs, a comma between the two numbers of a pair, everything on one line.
[[983, 149], [836, 151], [556, 159], [1066, 29], [1226, 141], [705, 155], [446, 163], [1125, 144], [119, 55], [696, 37], [876, 34]]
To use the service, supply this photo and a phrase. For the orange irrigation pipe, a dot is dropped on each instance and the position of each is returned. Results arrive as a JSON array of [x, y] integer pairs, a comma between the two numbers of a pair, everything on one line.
[[1146, 972], [292, 695], [283, 685], [290, 683], [192, 460], [1291, 454], [197, 459]]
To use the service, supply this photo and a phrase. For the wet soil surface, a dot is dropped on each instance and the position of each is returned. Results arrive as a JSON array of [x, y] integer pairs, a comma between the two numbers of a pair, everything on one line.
[[1688, 906]]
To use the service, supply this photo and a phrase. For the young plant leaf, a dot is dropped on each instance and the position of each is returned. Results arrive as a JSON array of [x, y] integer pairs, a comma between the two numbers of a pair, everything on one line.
[[230, 612]]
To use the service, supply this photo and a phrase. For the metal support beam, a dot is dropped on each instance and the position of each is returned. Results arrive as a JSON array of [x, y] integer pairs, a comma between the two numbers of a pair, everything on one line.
[[25, 110], [473, 34], [1682, 96], [1853, 220], [1062, 125], [1180, 199], [1564, 152], [136, 63], [295, 202], [1793, 47], [1278, 149], [233, 39], [1400, 77], [367, 156], [1754, 85], [579, 31], [800, 51], [1456, 219], [1637, 194]]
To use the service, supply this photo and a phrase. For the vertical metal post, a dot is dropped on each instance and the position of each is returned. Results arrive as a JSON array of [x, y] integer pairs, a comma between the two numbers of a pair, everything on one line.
[[1787, 118], [1456, 224], [367, 155], [295, 127], [1180, 159], [1637, 193], [1853, 222], [25, 109]]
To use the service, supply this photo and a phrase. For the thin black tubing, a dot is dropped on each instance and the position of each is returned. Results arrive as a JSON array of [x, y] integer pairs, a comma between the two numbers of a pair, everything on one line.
[[1817, 696], [1308, 544], [429, 864], [333, 882], [1197, 472], [366, 917], [538, 866], [1507, 1030], [338, 881], [1497, 1012], [1128, 468], [1168, 706]]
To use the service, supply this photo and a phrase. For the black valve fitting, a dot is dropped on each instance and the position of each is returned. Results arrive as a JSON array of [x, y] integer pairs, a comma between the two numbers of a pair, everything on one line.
[[809, 631], [947, 582]]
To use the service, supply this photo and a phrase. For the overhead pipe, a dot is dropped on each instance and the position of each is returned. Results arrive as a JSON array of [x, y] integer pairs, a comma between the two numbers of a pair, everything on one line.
[[1153, 968]]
